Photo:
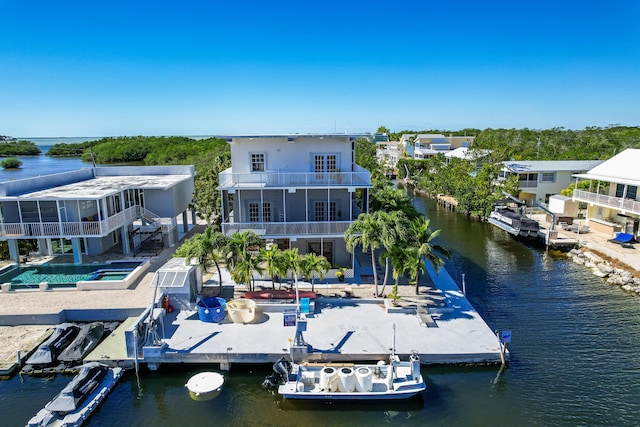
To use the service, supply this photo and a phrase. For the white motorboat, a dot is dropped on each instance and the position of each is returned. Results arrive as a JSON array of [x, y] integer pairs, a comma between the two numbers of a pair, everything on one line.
[[317, 381]]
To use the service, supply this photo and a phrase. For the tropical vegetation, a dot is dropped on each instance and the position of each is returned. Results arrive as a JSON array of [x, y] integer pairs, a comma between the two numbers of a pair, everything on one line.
[[209, 157], [19, 148], [11, 163]]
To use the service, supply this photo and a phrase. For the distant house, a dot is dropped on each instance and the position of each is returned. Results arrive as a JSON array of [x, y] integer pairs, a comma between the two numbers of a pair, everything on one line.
[[423, 146], [388, 154], [91, 210], [298, 191], [540, 179], [613, 202]]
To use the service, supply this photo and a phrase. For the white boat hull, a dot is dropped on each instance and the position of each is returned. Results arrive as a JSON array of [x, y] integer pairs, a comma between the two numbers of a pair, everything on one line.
[[398, 380]]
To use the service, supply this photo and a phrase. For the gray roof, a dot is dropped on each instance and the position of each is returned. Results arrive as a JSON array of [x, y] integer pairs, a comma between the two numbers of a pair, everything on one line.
[[550, 165], [103, 186]]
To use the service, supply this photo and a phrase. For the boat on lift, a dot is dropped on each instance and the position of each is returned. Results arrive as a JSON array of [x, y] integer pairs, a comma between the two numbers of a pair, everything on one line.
[[513, 220]]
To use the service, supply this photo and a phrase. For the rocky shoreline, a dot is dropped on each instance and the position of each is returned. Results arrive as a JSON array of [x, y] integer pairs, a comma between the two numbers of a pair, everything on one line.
[[603, 268]]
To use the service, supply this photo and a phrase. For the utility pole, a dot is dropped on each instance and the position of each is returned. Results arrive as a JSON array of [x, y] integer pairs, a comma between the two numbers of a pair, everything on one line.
[[538, 148]]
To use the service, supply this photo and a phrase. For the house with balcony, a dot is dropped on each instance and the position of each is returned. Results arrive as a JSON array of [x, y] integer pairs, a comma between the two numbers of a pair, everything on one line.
[[612, 200], [540, 179], [298, 191], [423, 146], [92, 210]]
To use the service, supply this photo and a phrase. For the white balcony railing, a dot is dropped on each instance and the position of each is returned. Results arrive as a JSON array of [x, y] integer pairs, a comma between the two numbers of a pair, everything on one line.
[[627, 205], [228, 179], [288, 229], [70, 229]]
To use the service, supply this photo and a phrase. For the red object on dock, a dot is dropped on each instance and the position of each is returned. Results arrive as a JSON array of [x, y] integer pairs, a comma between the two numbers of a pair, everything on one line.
[[280, 294]]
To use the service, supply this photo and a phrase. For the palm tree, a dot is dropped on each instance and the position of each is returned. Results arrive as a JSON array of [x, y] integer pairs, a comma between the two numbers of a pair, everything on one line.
[[239, 245], [274, 262], [414, 265], [291, 262], [426, 250], [312, 264], [399, 256], [244, 269], [397, 231], [373, 231]]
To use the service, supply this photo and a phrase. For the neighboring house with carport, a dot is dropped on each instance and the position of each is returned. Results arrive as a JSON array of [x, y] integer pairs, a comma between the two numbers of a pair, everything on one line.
[[540, 179], [613, 202]]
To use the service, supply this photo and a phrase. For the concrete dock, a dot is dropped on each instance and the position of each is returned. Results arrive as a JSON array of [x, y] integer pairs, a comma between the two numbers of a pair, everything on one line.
[[347, 324]]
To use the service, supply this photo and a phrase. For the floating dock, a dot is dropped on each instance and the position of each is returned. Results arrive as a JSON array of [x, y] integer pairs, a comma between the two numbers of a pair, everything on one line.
[[75, 418]]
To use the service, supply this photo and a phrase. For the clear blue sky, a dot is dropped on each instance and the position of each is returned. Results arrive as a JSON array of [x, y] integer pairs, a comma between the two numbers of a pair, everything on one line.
[[137, 67]]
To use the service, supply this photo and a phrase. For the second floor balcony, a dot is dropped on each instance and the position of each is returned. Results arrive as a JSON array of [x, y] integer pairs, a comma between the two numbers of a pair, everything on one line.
[[86, 228], [229, 180], [289, 229], [622, 204]]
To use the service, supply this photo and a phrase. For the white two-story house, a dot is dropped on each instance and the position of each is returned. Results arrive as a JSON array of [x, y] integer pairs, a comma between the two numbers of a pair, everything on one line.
[[91, 210], [613, 201], [299, 191], [540, 179]]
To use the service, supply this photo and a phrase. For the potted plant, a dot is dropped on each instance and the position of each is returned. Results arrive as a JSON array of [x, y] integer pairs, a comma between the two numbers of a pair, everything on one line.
[[340, 273]]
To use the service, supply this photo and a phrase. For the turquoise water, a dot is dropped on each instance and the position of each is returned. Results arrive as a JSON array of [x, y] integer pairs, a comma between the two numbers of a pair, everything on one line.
[[64, 274]]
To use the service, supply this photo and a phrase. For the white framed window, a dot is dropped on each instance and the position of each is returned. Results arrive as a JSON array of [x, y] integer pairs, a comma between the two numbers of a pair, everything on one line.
[[254, 212], [322, 212], [548, 177], [257, 162]]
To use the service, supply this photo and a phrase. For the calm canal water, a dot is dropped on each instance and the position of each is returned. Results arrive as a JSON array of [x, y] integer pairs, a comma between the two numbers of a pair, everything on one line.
[[574, 357]]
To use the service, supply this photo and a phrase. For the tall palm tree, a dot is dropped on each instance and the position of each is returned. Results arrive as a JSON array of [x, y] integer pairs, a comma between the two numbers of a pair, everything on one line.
[[397, 232], [368, 232], [291, 262], [274, 262], [426, 250], [312, 264], [373, 231]]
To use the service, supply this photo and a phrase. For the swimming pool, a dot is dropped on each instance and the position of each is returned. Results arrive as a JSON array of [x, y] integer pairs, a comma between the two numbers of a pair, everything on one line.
[[66, 275]]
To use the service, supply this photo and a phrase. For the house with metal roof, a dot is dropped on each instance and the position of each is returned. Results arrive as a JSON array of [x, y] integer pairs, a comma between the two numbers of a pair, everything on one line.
[[91, 210], [613, 202], [295, 190], [540, 179]]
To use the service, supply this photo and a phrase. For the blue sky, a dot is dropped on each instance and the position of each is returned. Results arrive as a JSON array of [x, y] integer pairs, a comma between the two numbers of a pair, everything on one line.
[[137, 67]]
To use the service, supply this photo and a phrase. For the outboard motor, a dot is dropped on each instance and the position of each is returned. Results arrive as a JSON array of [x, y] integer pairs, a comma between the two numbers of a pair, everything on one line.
[[281, 371]]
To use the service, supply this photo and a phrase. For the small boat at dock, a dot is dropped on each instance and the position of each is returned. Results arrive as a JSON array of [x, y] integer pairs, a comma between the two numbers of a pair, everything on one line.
[[79, 398], [346, 381]]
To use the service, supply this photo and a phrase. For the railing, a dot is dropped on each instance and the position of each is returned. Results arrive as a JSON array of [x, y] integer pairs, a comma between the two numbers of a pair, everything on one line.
[[70, 229], [285, 229], [528, 184], [228, 179], [627, 205]]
